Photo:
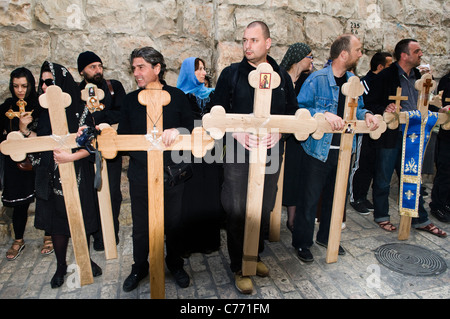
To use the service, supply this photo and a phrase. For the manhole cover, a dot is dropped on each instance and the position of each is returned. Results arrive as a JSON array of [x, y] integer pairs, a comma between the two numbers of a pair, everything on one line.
[[410, 260]]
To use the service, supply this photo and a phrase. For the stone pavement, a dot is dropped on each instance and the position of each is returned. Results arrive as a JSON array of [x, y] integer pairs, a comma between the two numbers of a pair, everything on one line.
[[352, 276]]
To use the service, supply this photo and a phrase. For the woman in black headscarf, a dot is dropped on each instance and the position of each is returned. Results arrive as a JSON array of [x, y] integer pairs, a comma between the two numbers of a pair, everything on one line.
[[17, 113], [51, 214]]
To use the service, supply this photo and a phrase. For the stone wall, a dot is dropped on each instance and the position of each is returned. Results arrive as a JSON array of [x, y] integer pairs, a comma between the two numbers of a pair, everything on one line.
[[32, 31]]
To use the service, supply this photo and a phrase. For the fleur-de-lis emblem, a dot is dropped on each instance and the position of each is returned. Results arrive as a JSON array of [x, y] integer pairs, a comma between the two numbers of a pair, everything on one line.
[[409, 194], [411, 166]]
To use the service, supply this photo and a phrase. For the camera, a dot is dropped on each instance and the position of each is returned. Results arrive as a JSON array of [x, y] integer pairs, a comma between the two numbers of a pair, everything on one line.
[[85, 139]]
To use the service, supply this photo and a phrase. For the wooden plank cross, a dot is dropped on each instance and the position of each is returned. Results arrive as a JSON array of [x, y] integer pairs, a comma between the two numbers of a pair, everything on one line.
[[424, 85], [352, 90], [261, 122], [109, 143], [17, 147], [92, 95]]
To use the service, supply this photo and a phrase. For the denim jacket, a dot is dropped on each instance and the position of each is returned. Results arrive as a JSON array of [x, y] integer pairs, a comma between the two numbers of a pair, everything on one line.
[[319, 94]]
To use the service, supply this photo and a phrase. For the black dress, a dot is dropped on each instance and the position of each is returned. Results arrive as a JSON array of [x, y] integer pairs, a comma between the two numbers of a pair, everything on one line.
[[292, 161], [51, 214], [18, 185], [202, 209]]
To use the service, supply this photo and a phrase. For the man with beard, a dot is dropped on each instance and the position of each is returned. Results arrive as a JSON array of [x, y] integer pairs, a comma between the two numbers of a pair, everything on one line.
[[90, 67], [321, 93]]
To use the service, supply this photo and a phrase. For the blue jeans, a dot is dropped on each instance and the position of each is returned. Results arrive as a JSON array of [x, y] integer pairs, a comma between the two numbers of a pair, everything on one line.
[[388, 160]]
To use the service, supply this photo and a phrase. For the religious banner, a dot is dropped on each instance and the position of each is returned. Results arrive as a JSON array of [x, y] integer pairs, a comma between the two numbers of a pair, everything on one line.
[[415, 140]]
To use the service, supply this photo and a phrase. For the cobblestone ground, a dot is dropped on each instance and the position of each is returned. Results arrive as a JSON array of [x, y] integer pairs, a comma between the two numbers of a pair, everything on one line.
[[352, 276]]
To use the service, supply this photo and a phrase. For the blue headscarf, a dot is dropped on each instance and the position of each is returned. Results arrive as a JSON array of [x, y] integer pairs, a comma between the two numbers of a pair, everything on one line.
[[188, 83]]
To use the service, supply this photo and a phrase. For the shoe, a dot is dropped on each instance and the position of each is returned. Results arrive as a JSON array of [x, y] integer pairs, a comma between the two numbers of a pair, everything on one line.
[[96, 270], [360, 207], [441, 215], [434, 230], [261, 269], [132, 281], [47, 246], [369, 205], [98, 245], [341, 250], [304, 254], [181, 277], [243, 283], [58, 278], [15, 252]]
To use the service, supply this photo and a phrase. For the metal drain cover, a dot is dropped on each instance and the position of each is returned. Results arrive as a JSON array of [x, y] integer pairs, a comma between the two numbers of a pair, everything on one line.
[[410, 260]]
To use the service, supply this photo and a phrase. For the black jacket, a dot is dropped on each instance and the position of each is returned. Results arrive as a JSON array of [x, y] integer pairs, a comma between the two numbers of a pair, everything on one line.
[[382, 86]]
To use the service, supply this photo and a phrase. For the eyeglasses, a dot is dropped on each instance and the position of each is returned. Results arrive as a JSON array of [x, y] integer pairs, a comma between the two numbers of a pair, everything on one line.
[[310, 57], [48, 82]]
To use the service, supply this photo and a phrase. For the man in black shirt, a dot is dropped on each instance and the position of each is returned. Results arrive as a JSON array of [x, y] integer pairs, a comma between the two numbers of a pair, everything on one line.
[[90, 67], [236, 95], [148, 66]]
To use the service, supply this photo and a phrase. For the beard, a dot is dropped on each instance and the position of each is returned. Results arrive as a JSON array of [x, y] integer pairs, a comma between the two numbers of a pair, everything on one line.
[[96, 79]]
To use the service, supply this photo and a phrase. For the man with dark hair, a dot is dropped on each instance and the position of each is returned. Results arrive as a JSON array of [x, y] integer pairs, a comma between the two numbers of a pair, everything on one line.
[[363, 168], [237, 97], [403, 73], [321, 93], [148, 66], [90, 67]]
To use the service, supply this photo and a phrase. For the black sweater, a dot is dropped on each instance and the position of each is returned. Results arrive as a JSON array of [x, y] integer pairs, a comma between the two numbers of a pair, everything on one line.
[[133, 120]]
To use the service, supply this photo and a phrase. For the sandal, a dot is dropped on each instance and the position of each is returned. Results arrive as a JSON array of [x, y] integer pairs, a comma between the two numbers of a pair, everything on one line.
[[47, 247], [15, 252], [434, 230], [387, 226]]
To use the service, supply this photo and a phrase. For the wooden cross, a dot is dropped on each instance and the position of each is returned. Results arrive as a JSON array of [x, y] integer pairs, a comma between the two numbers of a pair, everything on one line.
[[93, 95], [261, 122], [352, 90], [109, 143], [391, 118], [21, 104], [17, 147], [425, 85]]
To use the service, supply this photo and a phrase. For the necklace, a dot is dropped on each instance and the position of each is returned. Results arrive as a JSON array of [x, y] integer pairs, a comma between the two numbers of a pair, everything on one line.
[[155, 129]]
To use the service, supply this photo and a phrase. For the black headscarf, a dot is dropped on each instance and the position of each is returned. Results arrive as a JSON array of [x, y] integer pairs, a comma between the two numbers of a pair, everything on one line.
[[31, 99], [75, 112]]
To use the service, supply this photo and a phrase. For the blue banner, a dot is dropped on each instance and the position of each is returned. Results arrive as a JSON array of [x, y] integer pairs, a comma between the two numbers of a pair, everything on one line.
[[416, 134]]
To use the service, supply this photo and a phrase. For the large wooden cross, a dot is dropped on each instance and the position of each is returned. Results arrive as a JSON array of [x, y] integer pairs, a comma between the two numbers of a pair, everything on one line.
[[17, 147], [261, 122], [109, 143], [92, 95], [352, 90], [425, 85]]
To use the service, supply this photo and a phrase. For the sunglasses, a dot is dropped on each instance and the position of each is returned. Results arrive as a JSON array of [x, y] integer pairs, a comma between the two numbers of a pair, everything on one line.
[[48, 82]]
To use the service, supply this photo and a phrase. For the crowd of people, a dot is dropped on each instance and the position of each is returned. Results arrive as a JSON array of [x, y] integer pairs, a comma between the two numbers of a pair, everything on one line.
[[214, 198]]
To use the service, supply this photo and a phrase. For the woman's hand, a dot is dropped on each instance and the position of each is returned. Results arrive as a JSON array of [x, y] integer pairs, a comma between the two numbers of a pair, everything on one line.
[[169, 136]]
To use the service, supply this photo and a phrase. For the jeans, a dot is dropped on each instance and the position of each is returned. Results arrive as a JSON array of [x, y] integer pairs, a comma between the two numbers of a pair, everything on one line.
[[318, 178], [388, 160]]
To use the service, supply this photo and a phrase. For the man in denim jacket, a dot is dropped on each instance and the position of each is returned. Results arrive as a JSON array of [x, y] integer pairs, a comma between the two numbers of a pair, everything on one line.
[[321, 93]]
